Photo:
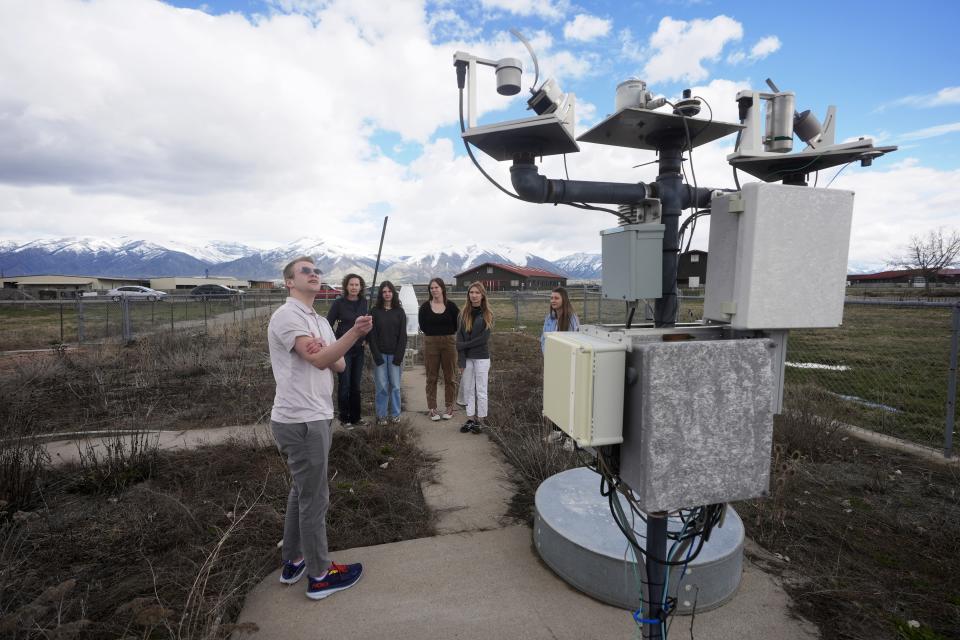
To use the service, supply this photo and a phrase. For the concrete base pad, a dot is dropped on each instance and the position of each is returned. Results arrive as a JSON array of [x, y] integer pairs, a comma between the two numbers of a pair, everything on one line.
[[576, 536]]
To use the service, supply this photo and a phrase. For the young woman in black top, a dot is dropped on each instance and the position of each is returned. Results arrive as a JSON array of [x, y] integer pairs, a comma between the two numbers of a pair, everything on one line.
[[343, 313], [438, 321], [473, 355], [388, 342]]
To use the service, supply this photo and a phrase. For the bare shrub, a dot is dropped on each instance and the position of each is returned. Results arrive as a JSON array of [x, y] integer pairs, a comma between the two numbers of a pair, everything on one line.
[[116, 462], [516, 423], [809, 423], [22, 462], [22, 457]]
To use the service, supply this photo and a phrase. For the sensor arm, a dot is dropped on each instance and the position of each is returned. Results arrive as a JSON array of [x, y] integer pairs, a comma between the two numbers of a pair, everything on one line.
[[533, 187]]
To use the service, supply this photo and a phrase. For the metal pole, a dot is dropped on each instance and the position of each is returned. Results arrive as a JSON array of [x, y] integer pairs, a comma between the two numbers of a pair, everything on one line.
[[61, 323], [172, 305], [125, 324], [204, 314], [952, 385], [670, 188], [516, 310], [106, 330], [80, 321], [584, 303], [376, 267]]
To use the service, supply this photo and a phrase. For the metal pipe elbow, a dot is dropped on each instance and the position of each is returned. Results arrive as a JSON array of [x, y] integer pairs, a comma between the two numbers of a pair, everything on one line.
[[528, 183]]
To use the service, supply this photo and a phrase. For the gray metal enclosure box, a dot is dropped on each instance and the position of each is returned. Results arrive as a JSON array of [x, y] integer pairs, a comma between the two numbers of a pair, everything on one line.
[[698, 424], [633, 261], [778, 257]]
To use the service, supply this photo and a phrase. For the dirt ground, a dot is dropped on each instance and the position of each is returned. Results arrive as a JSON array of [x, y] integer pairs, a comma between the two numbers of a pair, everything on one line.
[[866, 538], [173, 555], [167, 544]]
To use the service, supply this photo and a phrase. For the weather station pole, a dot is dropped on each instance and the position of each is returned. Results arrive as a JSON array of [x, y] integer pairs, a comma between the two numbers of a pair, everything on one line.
[[601, 384]]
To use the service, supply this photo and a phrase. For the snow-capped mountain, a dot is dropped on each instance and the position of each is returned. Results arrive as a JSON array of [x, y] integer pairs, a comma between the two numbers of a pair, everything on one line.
[[119, 256], [581, 266], [334, 259], [123, 256], [449, 261]]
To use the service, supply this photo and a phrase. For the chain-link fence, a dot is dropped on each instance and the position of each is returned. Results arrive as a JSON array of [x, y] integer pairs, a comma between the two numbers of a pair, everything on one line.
[[888, 368], [41, 324]]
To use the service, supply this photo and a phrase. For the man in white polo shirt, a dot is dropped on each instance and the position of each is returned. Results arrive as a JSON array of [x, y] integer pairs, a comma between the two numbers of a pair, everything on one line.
[[304, 354]]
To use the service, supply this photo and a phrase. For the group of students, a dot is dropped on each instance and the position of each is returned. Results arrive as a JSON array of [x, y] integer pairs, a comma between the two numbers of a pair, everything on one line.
[[454, 341], [306, 349]]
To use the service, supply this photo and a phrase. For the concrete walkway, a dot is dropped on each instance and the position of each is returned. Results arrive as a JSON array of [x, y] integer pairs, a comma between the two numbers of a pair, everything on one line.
[[66, 447], [481, 577]]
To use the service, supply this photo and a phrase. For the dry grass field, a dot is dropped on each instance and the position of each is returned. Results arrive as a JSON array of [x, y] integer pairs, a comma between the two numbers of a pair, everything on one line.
[[869, 537]]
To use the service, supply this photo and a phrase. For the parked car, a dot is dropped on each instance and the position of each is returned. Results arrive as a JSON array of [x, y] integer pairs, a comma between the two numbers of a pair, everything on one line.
[[327, 292], [142, 293], [208, 291]]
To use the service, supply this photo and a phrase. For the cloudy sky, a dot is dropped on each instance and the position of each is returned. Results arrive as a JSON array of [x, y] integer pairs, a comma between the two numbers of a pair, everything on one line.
[[262, 121]]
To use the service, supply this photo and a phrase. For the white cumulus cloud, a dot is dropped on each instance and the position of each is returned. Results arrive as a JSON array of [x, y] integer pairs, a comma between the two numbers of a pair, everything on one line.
[[585, 27], [763, 48], [680, 47]]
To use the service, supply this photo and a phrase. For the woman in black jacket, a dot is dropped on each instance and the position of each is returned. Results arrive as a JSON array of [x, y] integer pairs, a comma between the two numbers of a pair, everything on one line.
[[388, 343], [343, 313], [473, 355]]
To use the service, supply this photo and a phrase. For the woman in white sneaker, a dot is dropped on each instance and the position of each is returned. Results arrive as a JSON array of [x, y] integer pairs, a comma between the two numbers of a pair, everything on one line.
[[473, 355], [438, 321]]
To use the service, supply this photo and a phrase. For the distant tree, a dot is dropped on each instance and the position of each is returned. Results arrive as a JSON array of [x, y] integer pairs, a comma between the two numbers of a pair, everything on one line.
[[927, 255]]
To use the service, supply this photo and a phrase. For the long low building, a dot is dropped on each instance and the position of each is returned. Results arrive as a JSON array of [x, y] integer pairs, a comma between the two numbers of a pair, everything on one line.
[[56, 285], [54, 282]]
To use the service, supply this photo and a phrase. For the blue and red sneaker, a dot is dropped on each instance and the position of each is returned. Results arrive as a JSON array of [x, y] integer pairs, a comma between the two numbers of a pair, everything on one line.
[[337, 578], [292, 571]]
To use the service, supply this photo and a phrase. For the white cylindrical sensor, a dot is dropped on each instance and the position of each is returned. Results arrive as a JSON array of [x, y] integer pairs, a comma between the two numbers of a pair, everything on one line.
[[630, 93], [779, 127], [509, 71]]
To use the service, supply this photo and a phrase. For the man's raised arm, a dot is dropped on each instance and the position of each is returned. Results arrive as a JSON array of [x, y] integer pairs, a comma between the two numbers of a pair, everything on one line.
[[327, 356]]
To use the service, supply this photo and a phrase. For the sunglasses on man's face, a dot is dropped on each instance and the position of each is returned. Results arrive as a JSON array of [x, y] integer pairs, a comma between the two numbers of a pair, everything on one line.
[[308, 270]]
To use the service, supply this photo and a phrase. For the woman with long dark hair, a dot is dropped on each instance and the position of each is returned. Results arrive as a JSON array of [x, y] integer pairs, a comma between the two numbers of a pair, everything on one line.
[[560, 316], [438, 321], [388, 343], [342, 314], [473, 355]]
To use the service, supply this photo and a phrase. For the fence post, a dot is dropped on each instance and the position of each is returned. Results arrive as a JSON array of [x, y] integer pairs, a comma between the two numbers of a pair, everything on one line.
[[172, 305], [125, 319], [952, 385], [80, 321], [600, 305], [516, 310], [61, 322], [204, 314], [106, 330]]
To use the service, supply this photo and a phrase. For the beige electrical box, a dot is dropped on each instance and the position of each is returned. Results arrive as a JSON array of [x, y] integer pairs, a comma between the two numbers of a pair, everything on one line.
[[583, 383]]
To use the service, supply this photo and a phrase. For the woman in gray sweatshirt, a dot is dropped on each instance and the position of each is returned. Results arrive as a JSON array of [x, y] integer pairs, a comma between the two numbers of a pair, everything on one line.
[[473, 355]]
